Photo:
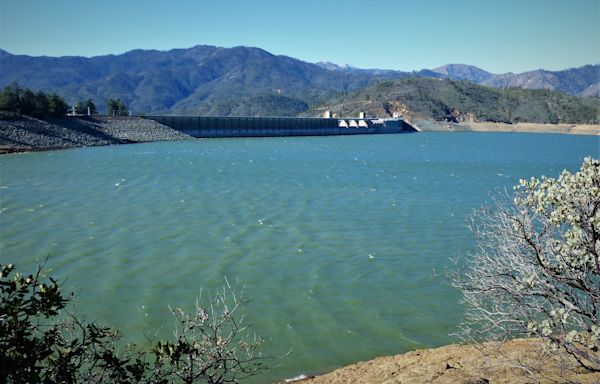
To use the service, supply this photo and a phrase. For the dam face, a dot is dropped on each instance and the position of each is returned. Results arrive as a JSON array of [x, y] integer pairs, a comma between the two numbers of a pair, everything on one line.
[[198, 126]]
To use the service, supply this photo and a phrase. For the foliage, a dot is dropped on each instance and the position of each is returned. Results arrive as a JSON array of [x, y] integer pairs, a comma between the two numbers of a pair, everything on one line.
[[24, 301], [448, 100], [83, 107], [116, 108], [263, 105], [56, 105], [18, 101], [41, 344], [537, 268], [190, 81], [181, 81]]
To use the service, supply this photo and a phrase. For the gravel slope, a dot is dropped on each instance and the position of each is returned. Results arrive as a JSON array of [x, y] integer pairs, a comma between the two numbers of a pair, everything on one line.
[[29, 134]]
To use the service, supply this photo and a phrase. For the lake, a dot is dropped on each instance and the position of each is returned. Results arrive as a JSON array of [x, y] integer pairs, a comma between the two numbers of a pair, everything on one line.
[[343, 244]]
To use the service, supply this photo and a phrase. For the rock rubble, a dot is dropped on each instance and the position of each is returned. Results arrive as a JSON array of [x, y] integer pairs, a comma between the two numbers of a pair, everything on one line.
[[29, 134]]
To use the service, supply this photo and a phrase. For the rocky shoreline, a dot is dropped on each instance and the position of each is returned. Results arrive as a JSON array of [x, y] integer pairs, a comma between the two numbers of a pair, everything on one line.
[[30, 134], [514, 361]]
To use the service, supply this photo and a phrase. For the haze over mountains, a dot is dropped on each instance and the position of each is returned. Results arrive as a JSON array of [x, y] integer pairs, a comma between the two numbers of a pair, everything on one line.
[[208, 80]]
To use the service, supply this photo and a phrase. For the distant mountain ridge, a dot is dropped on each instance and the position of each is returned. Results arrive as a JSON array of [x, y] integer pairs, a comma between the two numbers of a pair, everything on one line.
[[209, 80], [463, 72], [582, 81], [576, 81]]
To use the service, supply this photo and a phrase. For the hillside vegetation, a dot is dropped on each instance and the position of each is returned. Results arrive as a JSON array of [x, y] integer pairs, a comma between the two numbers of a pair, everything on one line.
[[201, 80], [238, 81], [456, 101]]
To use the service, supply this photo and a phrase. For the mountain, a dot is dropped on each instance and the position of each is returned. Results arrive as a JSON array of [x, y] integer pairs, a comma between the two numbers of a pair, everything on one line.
[[583, 81], [592, 90], [575, 81], [210, 80], [450, 100], [463, 72], [336, 67], [183, 81], [386, 73]]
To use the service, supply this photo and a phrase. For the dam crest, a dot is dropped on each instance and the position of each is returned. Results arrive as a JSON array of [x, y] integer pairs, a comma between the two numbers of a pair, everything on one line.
[[202, 126]]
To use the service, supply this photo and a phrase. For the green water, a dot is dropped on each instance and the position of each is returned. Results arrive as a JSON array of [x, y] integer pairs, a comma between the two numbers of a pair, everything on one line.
[[342, 243]]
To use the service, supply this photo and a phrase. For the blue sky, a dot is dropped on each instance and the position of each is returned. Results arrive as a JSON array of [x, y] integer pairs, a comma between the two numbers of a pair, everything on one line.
[[499, 36]]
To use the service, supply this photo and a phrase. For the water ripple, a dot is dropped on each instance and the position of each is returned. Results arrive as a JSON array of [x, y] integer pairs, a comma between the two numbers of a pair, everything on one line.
[[340, 241]]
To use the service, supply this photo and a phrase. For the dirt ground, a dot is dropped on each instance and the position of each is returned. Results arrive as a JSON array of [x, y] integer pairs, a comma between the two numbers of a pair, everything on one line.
[[517, 361], [578, 129], [472, 126]]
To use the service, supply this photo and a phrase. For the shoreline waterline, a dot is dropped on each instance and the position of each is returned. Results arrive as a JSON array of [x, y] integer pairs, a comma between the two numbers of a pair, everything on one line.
[[33, 135]]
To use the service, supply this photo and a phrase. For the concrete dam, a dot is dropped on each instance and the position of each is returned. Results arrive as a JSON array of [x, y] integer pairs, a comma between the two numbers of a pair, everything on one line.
[[198, 126]]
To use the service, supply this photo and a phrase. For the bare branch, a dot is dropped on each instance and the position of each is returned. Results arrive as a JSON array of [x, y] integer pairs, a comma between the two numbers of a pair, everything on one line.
[[536, 270]]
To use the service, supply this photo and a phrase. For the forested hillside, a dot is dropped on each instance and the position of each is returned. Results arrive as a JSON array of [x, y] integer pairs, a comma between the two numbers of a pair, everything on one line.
[[239, 81], [448, 100], [198, 80]]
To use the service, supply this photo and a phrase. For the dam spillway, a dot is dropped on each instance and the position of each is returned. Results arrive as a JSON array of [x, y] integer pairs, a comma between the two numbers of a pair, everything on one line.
[[201, 126]]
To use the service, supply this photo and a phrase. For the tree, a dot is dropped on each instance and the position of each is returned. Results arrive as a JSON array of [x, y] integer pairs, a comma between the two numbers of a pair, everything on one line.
[[27, 103], [536, 271], [18, 101], [116, 107], [111, 107], [83, 107], [57, 107], [40, 344], [41, 105], [10, 98], [89, 105]]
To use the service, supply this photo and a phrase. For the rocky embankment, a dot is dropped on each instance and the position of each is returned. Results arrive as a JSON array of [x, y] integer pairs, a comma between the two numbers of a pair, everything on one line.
[[517, 361], [29, 134]]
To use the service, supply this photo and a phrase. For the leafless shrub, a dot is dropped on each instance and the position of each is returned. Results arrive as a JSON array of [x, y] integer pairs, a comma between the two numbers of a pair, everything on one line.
[[213, 345]]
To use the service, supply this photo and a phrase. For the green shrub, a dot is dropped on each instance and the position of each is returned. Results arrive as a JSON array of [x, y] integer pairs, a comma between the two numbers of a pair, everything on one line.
[[41, 343]]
